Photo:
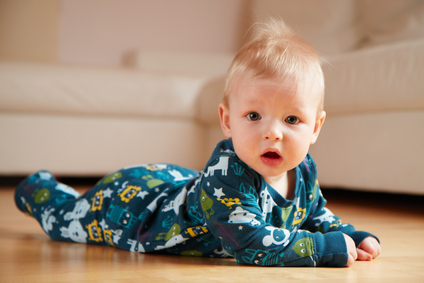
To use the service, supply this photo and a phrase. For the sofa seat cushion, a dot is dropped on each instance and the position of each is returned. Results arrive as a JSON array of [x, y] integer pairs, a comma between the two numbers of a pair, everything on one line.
[[32, 88], [379, 151], [383, 78]]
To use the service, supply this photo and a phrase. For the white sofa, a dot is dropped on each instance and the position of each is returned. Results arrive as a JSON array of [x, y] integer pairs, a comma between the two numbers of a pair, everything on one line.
[[373, 136], [88, 121]]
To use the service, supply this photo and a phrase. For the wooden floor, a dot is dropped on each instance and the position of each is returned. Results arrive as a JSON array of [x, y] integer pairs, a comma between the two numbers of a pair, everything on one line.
[[27, 254]]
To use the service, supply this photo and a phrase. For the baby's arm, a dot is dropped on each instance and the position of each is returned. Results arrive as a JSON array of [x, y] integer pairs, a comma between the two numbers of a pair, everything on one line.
[[233, 214], [245, 235]]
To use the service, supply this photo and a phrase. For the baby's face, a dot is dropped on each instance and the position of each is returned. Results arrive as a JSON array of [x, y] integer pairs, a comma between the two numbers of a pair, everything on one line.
[[271, 125]]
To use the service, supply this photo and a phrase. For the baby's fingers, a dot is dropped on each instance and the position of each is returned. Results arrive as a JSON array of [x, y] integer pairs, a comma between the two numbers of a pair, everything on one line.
[[370, 246], [363, 255]]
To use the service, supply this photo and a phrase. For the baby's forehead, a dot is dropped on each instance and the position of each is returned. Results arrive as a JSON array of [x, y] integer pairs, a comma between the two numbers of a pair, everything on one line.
[[271, 86], [257, 89]]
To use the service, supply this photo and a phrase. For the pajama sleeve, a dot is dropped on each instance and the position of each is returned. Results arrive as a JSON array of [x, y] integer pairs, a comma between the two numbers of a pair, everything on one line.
[[324, 221], [321, 219], [233, 214]]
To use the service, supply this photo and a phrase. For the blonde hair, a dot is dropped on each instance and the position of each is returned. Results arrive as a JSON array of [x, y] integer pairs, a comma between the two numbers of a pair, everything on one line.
[[276, 52]]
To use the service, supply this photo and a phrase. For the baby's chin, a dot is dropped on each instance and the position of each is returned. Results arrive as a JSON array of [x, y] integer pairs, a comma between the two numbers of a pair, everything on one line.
[[271, 172]]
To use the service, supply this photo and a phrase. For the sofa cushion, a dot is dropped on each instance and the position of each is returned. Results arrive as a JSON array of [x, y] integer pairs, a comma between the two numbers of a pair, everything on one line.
[[383, 78], [90, 91], [331, 26], [180, 62], [385, 21]]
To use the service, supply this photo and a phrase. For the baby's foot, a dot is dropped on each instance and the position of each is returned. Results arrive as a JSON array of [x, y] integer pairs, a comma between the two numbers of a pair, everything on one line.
[[31, 187]]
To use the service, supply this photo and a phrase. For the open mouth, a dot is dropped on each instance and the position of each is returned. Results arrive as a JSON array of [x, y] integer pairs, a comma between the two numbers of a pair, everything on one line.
[[270, 154], [271, 158]]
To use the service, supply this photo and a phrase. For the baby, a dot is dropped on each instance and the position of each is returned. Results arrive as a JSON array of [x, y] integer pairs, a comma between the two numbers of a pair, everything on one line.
[[257, 199]]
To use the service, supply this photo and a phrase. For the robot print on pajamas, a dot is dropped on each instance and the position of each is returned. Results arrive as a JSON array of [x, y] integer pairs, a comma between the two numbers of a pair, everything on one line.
[[128, 193], [121, 216], [97, 201], [94, 231]]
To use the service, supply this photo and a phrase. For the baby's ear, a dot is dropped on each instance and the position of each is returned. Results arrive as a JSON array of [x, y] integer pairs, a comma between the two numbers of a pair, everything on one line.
[[318, 125], [224, 117]]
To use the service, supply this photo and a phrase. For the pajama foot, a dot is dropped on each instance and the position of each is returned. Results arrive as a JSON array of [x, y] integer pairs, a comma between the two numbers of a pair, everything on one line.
[[39, 190]]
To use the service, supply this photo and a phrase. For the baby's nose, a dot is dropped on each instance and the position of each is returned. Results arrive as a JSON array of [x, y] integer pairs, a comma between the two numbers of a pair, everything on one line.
[[273, 133]]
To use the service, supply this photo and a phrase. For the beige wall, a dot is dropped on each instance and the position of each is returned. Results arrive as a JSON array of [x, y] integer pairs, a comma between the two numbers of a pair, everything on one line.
[[102, 32], [29, 30]]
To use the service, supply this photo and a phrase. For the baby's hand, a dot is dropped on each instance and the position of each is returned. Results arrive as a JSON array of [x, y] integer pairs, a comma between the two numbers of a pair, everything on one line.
[[368, 249], [351, 250]]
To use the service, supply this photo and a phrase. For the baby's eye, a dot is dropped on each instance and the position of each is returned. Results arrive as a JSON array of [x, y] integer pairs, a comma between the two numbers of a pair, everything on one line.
[[253, 116], [292, 120]]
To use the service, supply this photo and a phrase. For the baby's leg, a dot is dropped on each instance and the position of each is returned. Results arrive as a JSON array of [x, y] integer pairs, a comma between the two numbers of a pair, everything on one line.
[[113, 212], [60, 210]]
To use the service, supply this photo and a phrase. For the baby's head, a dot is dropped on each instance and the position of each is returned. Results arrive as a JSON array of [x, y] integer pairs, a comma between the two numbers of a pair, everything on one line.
[[273, 101], [276, 52]]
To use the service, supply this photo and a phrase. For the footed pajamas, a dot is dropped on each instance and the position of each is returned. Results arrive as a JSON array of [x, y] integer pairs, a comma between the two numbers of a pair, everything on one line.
[[226, 210]]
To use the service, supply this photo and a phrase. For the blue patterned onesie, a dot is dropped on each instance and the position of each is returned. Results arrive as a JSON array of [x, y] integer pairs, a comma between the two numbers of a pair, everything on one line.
[[226, 210]]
